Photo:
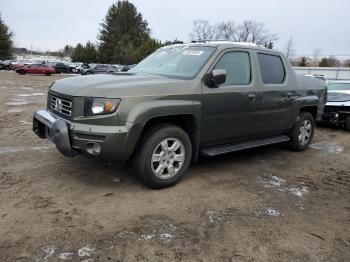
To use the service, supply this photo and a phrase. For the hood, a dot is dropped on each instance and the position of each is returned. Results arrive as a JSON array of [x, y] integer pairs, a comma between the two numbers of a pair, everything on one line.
[[118, 85], [338, 96]]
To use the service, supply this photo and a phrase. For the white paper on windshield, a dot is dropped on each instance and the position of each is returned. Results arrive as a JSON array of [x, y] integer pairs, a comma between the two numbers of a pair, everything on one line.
[[192, 52]]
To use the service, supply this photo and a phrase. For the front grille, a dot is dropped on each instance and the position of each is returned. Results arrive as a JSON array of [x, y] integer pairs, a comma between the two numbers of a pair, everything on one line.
[[61, 105]]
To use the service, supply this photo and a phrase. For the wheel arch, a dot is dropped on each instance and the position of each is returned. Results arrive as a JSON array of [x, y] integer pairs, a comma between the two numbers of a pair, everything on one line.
[[313, 110]]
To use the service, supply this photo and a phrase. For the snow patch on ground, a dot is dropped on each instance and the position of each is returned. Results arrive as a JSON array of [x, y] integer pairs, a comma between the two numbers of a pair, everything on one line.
[[66, 255], [280, 184], [32, 94], [147, 237], [17, 103], [270, 211], [15, 110], [85, 251], [166, 237], [48, 251], [7, 150], [329, 147]]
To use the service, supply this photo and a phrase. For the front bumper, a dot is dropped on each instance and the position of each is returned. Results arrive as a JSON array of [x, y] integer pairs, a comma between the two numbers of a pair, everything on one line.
[[72, 138], [335, 114]]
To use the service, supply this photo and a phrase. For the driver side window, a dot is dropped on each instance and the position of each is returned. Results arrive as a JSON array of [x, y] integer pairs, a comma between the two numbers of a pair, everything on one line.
[[237, 67]]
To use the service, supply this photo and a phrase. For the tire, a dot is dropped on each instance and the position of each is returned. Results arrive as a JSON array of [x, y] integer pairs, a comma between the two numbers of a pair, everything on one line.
[[22, 72], [347, 123], [150, 156], [88, 73], [47, 73], [302, 132]]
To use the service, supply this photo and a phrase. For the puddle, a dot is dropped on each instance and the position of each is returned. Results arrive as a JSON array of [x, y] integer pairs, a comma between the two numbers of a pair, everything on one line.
[[329, 147], [7, 150], [32, 94], [279, 184]]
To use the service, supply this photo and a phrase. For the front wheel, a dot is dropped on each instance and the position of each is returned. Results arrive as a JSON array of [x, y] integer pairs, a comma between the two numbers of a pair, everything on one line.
[[163, 156], [303, 132]]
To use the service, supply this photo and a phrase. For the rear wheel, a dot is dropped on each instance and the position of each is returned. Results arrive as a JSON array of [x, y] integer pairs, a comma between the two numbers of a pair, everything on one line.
[[22, 72], [347, 123], [47, 73], [163, 156], [303, 132]]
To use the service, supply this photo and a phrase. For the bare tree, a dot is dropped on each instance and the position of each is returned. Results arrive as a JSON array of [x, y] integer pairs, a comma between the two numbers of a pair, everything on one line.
[[202, 30], [290, 50], [333, 61], [316, 56], [248, 31], [226, 30], [254, 32]]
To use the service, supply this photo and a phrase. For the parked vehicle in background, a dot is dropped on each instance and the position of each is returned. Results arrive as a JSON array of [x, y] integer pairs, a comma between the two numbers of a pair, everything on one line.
[[321, 77], [337, 109], [61, 68], [19, 63], [80, 68], [206, 98], [41, 62], [72, 67], [126, 68], [99, 69], [2, 65], [6, 64], [36, 69], [76, 67]]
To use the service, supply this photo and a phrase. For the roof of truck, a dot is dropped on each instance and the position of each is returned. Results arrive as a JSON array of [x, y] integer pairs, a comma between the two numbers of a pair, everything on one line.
[[217, 43]]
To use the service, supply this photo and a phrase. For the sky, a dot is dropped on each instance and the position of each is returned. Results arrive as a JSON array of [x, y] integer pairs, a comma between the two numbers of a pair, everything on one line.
[[313, 24]]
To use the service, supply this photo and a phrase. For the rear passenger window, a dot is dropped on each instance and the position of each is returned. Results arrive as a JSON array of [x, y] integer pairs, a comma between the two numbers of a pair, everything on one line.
[[271, 68], [237, 67]]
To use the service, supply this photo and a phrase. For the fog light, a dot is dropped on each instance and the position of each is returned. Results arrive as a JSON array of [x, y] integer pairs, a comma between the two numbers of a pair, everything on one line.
[[93, 149]]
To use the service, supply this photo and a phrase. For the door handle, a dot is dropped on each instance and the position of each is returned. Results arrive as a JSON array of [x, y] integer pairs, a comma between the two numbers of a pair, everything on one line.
[[289, 95], [251, 97]]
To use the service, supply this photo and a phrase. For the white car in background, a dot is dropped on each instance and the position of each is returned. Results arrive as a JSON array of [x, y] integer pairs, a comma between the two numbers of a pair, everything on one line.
[[337, 109]]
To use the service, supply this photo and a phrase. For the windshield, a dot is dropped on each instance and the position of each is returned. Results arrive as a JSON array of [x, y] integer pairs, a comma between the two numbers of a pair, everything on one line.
[[338, 86], [175, 61]]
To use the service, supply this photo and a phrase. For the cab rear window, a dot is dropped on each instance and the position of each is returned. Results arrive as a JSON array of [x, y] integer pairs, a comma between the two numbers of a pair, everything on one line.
[[271, 68]]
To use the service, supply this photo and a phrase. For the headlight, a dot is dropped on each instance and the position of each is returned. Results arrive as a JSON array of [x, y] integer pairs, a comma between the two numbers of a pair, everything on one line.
[[100, 106]]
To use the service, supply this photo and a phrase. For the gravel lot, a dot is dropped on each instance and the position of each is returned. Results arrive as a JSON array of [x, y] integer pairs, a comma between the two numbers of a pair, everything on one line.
[[267, 204]]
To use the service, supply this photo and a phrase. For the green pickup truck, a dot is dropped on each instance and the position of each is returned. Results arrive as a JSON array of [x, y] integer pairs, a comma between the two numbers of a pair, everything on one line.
[[182, 101]]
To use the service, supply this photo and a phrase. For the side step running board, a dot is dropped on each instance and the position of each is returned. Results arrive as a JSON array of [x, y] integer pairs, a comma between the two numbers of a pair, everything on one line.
[[222, 149]]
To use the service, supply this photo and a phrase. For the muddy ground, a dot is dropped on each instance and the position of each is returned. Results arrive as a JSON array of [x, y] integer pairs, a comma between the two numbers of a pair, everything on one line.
[[267, 204]]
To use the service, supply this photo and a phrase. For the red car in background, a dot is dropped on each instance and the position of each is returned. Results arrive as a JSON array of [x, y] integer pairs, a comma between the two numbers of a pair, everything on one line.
[[36, 69]]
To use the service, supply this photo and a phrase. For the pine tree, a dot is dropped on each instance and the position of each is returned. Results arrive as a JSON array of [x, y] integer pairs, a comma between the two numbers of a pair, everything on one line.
[[124, 35], [78, 53], [90, 53], [5, 41]]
